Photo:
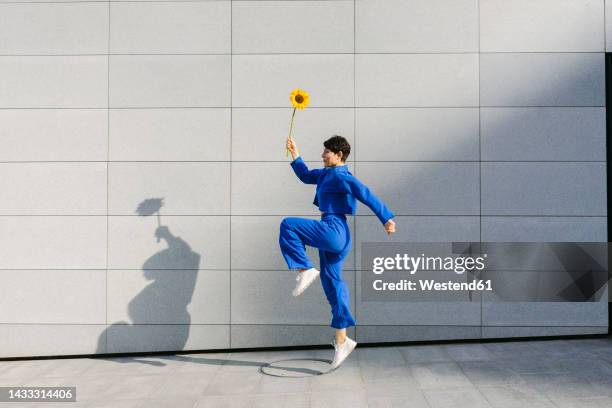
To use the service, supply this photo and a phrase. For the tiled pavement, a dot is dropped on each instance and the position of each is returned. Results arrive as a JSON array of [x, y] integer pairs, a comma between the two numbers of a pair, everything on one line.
[[544, 373]]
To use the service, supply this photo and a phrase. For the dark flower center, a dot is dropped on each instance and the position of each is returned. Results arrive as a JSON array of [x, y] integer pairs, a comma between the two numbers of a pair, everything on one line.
[[299, 98]]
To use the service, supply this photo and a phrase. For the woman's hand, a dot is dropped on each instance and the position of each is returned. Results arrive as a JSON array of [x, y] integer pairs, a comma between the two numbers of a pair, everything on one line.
[[390, 227], [291, 146]]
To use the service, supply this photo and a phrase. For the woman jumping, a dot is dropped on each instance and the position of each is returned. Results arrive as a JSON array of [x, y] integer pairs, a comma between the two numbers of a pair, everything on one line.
[[335, 197]]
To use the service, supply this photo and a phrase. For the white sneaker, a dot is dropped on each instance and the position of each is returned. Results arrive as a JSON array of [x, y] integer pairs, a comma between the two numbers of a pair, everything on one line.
[[342, 351], [304, 279]]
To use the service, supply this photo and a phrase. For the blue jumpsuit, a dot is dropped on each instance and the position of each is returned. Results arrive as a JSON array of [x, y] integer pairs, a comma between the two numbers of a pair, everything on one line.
[[336, 194]]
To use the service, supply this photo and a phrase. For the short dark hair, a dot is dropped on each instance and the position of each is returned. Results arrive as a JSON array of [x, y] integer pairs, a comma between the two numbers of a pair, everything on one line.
[[336, 144]]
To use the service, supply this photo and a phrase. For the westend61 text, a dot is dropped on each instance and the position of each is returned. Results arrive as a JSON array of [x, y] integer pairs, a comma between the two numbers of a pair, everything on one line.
[[430, 284]]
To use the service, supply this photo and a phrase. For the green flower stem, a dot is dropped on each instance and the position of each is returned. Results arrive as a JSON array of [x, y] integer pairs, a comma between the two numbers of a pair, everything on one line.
[[290, 129]]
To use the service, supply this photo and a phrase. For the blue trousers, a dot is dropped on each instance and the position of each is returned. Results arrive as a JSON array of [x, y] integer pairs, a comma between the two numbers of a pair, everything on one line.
[[331, 235]]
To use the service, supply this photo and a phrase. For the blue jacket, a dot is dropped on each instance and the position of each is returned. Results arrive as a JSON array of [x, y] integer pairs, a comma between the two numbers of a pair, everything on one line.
[[337, 190]]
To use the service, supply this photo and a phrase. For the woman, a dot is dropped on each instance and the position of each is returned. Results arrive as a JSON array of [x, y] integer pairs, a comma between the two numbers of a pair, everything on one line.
[[336, 194]]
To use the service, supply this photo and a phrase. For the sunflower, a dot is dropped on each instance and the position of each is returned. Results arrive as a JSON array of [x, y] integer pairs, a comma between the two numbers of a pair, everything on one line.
[[299, 98]]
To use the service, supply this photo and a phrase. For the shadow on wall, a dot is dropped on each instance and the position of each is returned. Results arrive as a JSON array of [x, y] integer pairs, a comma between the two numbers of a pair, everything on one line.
[[173, 272]]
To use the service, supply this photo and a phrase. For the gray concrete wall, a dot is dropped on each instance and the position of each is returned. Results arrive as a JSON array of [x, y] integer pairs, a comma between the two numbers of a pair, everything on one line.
[[491, 113]]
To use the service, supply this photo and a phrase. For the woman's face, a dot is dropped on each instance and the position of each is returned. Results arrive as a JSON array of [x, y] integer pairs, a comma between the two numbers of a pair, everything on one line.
[[331, 159]]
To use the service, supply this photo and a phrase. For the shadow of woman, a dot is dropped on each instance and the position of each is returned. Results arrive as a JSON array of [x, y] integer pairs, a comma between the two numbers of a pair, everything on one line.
[[173, 272]]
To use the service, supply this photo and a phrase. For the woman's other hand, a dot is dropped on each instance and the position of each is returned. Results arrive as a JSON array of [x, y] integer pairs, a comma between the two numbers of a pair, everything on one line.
[[390, 227]]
